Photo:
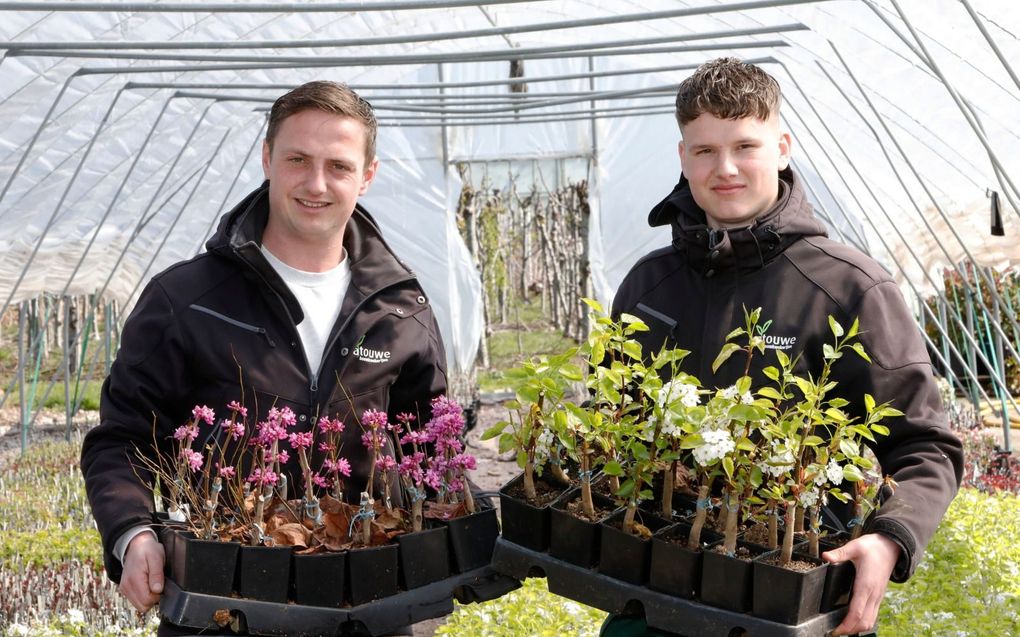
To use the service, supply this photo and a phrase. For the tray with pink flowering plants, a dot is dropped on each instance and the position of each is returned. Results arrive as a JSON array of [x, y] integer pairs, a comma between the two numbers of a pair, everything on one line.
[[245, 554]]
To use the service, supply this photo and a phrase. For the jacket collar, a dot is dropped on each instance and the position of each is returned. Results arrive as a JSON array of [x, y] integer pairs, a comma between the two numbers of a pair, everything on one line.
[[737, 249], [374, 266]]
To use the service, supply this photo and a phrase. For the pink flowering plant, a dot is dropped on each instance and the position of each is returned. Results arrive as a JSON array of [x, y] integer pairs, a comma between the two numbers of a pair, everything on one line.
[[227, 479], [193, 480]]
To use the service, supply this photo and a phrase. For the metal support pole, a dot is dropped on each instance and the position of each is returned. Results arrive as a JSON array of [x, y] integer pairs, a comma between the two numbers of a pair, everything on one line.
[[107, 337], [67, 367], [1001, 370], [22, 315]]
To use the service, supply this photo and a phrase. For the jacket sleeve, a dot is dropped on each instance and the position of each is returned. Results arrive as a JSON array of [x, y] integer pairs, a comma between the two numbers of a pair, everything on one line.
[[144, 387], [423, 374], [921, 453]]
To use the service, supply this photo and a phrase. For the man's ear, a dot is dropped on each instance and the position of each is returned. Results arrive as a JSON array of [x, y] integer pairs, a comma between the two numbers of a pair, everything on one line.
[[785, 148], [368, 175], [681, 151], [265, 158]]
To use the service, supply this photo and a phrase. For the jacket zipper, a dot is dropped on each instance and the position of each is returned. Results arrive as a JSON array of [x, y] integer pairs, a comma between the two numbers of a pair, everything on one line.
[[245, 326], [314, 374]]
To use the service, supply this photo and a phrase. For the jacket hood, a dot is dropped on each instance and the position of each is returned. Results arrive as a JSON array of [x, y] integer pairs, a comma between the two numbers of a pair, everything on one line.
[[239, 236], [742, 249]]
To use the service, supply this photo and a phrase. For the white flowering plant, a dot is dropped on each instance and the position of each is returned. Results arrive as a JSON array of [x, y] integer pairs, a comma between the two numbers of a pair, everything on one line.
[[631, 403], [723, 437], [540, 385], [815, 446]]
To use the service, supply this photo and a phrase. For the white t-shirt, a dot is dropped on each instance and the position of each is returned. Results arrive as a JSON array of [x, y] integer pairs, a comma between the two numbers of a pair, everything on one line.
[[320, 295]]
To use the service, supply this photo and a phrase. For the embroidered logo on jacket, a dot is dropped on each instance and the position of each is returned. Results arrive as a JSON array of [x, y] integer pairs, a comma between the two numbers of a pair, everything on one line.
[[772, 341], [367, 355]]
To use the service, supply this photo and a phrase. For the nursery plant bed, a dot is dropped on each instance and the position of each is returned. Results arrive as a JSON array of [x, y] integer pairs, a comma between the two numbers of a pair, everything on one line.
[[661, 611], [198, 611]]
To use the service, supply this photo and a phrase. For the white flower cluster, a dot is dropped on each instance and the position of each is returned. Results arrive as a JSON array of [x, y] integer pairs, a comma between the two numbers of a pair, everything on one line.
[[671, 428], [780, 462], [747, 398], [543, 445], [717, 443], [730, 393], [809, 498], [834, 472], [675, 390]]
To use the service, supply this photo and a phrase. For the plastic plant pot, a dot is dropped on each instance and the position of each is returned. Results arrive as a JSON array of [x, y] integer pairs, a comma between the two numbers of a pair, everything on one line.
[[785, 595], [318, 579]]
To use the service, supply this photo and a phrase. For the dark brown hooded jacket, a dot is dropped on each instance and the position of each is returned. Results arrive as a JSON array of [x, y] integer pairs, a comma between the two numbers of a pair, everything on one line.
[[223, 323]]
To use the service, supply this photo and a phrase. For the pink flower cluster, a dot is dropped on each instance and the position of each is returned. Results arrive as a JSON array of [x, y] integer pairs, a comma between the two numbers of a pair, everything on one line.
[[445, 469], [334, 467]]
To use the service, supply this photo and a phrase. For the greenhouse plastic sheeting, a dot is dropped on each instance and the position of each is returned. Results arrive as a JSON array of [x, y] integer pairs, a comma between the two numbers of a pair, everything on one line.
[[117, 157]]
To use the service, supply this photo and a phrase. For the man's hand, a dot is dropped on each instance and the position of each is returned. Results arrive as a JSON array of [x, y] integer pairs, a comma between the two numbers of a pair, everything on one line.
[[142, 580], [874, 556]]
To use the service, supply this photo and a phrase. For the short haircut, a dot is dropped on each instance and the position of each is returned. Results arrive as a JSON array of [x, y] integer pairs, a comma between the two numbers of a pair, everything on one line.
[[728, 89], [328, 97]]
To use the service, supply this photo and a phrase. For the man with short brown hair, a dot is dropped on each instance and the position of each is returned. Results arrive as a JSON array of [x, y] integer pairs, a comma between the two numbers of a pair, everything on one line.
[[745, 236], [296, 281]]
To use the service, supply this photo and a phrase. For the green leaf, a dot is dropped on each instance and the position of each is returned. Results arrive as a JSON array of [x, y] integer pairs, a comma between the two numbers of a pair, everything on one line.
[[593, 304], [598, 353], [632, 349], [769, 392], [522, 458], [612, 468], [835, 415], [857, 347], [735, 333], [829, 352], [852, 332], [881, 430], [869, 403], [849, 448], [813, 441], [727, 463], [784, 360], [528, 394], [494, 430], [692, 441], [507, 442], [837, 329], [746, 412], [890, 412], [852, 473], [571, 372], [727, 350]]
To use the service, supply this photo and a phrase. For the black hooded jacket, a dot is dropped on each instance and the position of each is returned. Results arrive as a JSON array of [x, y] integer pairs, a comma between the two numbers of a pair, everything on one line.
[[693, 293], [223, 326]]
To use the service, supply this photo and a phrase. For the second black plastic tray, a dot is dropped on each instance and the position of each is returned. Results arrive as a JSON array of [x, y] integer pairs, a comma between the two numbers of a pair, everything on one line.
[[198, 611], [661, 611]]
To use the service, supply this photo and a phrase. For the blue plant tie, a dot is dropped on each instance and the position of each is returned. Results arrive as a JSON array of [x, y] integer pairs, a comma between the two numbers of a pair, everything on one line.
[[363, 514], [853, 522], [417, 495], [703, 504], [584, 476]]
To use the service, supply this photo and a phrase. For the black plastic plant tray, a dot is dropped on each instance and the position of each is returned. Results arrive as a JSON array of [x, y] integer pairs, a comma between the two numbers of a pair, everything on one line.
[[195, 610], [661, 611]]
